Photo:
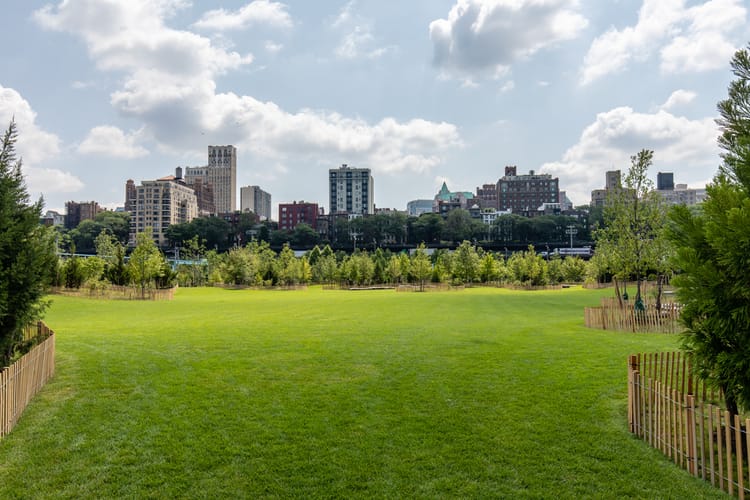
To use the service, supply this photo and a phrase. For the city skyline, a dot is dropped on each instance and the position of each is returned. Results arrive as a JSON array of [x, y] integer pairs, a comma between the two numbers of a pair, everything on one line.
[[436, 90]]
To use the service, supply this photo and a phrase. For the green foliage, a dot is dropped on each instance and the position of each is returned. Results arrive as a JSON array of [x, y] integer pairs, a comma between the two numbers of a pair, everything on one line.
[[421, 267], [713, 255], [528, 268], [633, 239], [489, 270], [465, 263], [27, 253], [146, 262], [213, 232]]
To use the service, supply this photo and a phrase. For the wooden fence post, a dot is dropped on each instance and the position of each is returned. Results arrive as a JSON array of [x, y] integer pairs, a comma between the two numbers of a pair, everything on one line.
[[691, 448], [633, 368]]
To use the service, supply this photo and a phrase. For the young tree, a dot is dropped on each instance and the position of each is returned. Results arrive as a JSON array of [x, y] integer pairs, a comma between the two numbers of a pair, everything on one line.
[[145, 262], [465, 263], [632, 239], [421, 267], [713, 255], [27, 253]]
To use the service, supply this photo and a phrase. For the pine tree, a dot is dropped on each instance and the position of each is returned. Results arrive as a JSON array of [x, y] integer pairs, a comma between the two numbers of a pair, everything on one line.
[[27, 253], [713, 255]]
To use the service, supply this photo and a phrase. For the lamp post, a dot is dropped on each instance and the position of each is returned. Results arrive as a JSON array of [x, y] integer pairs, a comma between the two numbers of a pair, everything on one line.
[[572, 231]]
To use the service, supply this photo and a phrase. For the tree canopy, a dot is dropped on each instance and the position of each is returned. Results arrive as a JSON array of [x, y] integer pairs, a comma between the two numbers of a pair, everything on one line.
[[27, 253], [713, 255]]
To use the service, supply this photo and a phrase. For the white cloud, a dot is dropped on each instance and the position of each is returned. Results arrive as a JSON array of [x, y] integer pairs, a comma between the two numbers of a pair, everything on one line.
[[484, 37], [272, 46], [169, 85], [34, 145], [687, 147], [110, 141], [358, 40], [507, 86], [258, 12], [687, 39], [678, 98], [128, 36]]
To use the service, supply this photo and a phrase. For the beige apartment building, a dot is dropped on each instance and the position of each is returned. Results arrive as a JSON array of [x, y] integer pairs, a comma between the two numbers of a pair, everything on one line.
[[221, 175], [159, 204]]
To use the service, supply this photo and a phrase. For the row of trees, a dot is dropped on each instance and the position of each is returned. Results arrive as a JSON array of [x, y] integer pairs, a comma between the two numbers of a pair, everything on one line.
[[256, 264]]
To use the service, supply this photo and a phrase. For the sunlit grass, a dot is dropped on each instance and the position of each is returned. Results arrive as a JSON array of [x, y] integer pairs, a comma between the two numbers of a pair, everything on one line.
[[477, 393]]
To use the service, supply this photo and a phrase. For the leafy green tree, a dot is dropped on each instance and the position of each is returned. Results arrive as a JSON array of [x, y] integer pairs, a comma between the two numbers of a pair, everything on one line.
[[112, 251], [465, 263], [633, 239], [421, 267], [304, 236], [27, 253], [236, 268], [427, 228], [393, 270], [713, 255], [458, 225], [489, 270], [325, 270], [528, 268], [145, 264], [115, 223], [574, 269]]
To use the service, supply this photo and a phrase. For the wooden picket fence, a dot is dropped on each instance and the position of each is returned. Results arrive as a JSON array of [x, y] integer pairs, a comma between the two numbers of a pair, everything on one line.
[[114, 292], [20, 381], [679, 415], [612, 316]]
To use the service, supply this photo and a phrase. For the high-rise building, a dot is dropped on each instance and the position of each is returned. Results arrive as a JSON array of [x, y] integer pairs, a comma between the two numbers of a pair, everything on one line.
[[77, 212], [159, 204], [254, 199], [665, 181], [221, 175], [291, 214], [351, 191], [130, 195], [524, 193]]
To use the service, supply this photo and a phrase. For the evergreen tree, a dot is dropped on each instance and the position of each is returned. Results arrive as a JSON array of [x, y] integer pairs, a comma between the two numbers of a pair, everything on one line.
[[27, 253], [713, 255]]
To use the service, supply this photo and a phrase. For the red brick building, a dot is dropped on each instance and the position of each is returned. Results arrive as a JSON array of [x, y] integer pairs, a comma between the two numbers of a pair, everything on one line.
[[291, 214]]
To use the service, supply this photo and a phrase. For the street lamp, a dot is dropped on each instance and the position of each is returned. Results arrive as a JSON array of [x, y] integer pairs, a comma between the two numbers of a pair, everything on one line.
[[572, 231]]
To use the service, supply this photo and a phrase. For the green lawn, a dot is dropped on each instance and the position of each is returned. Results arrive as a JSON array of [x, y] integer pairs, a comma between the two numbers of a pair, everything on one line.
[[336, 394]]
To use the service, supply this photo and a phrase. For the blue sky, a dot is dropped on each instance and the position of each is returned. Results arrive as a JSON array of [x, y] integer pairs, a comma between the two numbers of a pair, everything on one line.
[[419, 91]]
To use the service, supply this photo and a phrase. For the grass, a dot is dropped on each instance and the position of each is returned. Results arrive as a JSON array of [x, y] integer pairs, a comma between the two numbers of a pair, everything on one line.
[[335, 394]]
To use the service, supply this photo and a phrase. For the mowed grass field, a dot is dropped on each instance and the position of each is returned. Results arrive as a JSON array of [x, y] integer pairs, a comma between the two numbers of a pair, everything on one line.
[[334, 394]]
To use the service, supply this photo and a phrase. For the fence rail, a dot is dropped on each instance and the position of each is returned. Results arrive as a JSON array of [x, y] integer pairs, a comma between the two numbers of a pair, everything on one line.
[[680, 416], [20, 381], [611, 316], [117, 292]]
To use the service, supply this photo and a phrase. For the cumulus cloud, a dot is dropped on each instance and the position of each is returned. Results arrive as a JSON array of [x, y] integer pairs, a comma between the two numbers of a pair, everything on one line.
[[107, 140], [34, 145], [679, 98], [169, 85], [484, 37], [687, 147], [687, 39], [258, 12]]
